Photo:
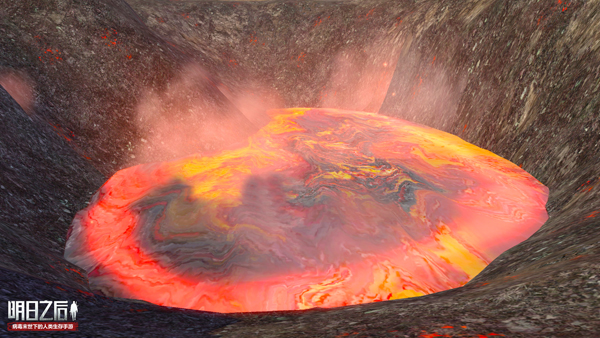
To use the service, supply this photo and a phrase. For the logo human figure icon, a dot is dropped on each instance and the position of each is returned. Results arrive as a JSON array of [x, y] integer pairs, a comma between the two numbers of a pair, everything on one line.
[[73, 310]]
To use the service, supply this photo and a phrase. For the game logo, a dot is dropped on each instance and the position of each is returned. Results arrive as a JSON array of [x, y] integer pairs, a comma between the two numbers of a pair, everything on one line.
[[45, 315]]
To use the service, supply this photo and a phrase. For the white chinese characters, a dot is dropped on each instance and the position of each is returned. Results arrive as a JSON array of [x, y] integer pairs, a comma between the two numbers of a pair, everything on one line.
[[45, 310]]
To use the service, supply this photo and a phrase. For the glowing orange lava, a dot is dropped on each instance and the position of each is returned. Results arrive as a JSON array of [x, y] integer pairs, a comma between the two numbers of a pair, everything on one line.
[[323, 208]]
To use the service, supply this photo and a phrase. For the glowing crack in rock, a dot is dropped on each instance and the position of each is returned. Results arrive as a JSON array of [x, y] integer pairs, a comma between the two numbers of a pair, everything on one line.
[[322, 208]]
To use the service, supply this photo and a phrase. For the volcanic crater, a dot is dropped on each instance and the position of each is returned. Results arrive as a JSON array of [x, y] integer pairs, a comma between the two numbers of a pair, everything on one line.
[[154, 167]]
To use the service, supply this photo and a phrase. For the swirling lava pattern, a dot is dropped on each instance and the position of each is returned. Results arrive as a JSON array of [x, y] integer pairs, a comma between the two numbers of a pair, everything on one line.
[[322, 208]]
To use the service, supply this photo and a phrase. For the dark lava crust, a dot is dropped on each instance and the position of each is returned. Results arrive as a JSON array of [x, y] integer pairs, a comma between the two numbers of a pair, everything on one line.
[[520, 78]]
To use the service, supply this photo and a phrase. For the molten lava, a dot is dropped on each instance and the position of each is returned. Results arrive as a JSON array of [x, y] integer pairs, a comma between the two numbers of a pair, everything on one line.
[[323, 208]]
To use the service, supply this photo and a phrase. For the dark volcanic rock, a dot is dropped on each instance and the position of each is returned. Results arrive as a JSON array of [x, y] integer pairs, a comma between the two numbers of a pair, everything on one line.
[[518, 78], [91, 63], [297, 54], [530, 93], [43, 184]]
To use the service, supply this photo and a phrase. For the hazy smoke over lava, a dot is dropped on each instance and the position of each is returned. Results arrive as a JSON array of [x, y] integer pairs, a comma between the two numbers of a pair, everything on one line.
[[196, 114], [254, 101], [191, 116], [360, 79], [426, 90], [321, 208]]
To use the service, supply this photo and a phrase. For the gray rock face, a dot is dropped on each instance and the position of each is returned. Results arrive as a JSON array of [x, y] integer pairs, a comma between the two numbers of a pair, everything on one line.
[[91, 69], [517, 78], [43, 184]]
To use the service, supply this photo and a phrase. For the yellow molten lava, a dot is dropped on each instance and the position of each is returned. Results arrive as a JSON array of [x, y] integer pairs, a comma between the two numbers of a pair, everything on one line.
[[322, 208]]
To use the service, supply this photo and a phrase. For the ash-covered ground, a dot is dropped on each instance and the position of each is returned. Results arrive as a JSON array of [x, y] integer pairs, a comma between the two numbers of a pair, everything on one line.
[[93, 86]]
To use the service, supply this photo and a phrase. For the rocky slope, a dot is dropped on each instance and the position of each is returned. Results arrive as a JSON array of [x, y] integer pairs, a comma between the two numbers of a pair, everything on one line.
[[517, 78]]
